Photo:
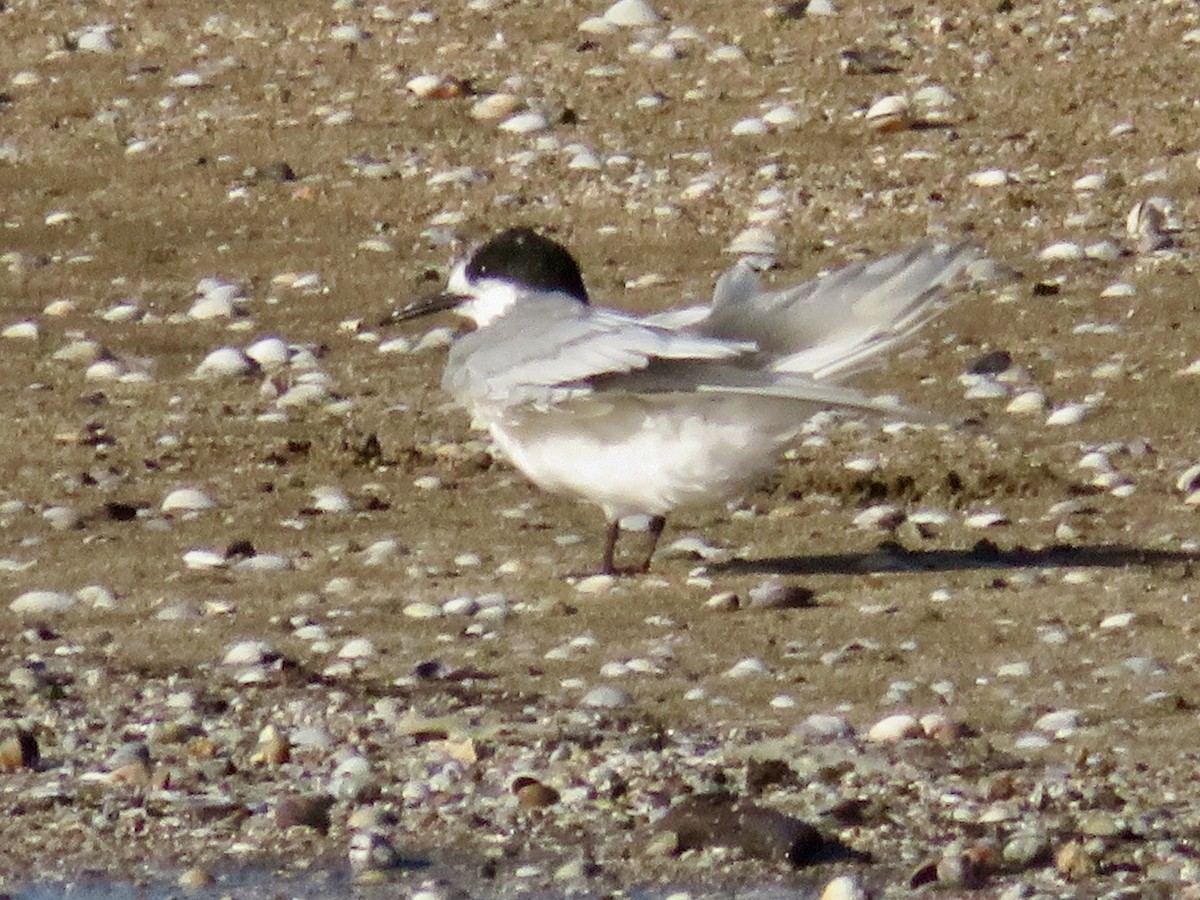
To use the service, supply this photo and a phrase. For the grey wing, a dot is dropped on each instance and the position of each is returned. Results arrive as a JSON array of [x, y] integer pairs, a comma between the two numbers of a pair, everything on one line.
[[834, 326], [692, 377], [549, 350]]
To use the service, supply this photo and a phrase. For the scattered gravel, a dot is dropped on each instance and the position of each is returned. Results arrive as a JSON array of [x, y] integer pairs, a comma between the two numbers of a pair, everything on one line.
[[276, 621]]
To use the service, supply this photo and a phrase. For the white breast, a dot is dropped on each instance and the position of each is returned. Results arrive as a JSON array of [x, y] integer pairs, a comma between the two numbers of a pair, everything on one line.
[[648, 455]]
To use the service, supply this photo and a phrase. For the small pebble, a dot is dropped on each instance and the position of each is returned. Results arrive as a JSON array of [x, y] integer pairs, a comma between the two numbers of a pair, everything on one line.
[[605, 697]]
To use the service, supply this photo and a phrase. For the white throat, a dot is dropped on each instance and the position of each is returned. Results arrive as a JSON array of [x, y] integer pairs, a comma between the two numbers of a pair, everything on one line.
[[490, 298]]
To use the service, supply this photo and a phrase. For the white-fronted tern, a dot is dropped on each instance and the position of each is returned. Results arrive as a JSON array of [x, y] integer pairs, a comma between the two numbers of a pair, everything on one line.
[[643, 415]]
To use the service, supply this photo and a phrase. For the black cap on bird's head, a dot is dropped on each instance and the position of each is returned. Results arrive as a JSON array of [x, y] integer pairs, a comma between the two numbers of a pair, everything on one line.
[[529, 259], [486, 283]]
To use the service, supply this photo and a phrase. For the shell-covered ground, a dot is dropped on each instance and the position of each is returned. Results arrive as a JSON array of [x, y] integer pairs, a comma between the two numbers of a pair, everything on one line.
[[300, 534]]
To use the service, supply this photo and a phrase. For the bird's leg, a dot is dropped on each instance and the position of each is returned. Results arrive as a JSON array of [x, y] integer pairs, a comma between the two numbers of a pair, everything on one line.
[[657, 524], [610, 548]]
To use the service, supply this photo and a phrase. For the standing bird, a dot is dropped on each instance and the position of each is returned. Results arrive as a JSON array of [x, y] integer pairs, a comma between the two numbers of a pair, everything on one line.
[[643, 415]]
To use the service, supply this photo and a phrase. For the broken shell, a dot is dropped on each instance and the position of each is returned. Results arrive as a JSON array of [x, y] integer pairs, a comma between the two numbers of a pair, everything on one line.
[[1150, 223], [931, 105]]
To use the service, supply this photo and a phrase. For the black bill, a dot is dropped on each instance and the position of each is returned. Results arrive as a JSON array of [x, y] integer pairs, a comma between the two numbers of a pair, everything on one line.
[[424, 306]]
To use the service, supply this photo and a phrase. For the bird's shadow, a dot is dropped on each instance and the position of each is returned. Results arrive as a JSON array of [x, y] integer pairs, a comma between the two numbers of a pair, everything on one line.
[[892, 557]]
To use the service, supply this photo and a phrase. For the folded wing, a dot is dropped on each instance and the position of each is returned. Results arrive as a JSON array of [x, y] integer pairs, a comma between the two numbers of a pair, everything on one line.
[[555, 348]]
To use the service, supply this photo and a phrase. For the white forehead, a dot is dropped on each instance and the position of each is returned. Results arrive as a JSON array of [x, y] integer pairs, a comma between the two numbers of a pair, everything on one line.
[[457, 283], [487, 299]]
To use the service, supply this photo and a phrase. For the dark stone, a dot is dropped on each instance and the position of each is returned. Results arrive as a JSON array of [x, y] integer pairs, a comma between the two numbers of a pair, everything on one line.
[[991, 363], [722, 820], [311, 811]]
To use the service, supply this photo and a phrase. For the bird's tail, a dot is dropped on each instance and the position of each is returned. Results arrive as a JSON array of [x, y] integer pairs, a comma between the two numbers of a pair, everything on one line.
[[835, 326]]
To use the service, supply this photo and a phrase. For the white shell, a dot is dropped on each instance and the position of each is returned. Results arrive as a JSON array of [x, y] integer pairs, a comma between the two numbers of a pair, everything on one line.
[[882, 516], [753, 242], [96, 39], [985, 389], [302, 395], [424, 85], [988, 518], [585, 160], [347, 34], [27, 331], [931, 100], [269, 352], [749, 126], [1154, 214], [1094, 460], [187, 499], [122, 312], [213, 306], [204, 559], [663, 51], [1189, 480], [844, 887], [395, 345], [1062, 251], [1119, 289], [329, 498], [1027, 402], [263, 562], [1104, 251], [929, 517], [726, 53], [1068, 414], [246, 653], [358, 648], [891, 111], [1059, 721], [81, 351], [631, 14], [747, 667], [224, 362], [597, 25], [1094, 181], [43, 602], [103, 370], [495, 106], [524, 123], [189, 79], [784, 116], [898, 727], [989, 178]]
